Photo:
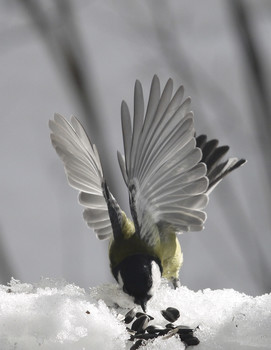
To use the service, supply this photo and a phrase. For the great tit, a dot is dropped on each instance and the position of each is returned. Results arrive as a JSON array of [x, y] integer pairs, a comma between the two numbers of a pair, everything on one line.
[[169, 173]]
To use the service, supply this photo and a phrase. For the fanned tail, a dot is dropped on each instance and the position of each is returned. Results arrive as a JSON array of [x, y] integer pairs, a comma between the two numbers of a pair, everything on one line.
[[212, 156]]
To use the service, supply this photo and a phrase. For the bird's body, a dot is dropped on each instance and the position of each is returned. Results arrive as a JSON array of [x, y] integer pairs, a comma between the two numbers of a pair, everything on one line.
[[169, 174], [167, 250]]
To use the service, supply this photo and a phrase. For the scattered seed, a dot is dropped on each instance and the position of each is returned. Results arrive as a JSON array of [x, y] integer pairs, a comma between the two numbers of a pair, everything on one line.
[[191, 341], [130, 316], [164, 331], [146, 336], [186, 336], [170, 325], [171, 314], [184, 330], [138, 314], [141, 332], [130, 331], [120, 317], [154, 329], [140, 324], [87, 312], [137, 344], [170, 333]]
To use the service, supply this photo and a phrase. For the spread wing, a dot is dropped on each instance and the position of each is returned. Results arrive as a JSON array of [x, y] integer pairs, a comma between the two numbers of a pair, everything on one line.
[[161, 167], [84, 172]]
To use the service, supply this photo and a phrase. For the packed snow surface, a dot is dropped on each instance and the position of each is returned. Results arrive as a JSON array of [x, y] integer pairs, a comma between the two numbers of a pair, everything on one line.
[[55, 315]]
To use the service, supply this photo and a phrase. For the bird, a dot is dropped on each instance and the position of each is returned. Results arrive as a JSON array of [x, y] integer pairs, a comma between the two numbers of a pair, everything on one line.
[[169, 172]]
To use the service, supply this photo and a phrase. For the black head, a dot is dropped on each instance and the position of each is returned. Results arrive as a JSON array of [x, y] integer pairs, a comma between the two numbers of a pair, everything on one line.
[[139, 275]]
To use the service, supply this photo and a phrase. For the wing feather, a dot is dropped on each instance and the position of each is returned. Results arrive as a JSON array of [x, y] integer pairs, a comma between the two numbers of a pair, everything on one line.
[[84, 171], [162, 105], [138, 121], [163, 133], [126, 132], [164, 175], [154, 98], [212, 154]]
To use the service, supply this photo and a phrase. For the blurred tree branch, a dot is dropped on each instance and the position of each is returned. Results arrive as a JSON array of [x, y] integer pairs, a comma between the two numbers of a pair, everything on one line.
[[61, 44], [6, 270], [260, 105], [61, 36], [258, 93], [170, 41]]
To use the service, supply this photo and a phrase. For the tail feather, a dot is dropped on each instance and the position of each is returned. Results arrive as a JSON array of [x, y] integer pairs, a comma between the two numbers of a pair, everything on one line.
[[212, 154], [208, 150]]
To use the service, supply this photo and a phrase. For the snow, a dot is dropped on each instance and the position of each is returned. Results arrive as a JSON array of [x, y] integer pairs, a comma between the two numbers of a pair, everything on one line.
[[57, 315]]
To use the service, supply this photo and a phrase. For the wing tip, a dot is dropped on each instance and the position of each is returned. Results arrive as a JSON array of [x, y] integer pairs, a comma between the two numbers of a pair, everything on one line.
[[124, 109]]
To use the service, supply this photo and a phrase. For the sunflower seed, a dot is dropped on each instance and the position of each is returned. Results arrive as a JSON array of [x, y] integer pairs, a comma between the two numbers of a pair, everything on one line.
[[146, 336], [170, 326], [185, 336], [191, 341], [137, 344], [170, 333], [140, 324], [138, 314], [130, 316], [130, 331], [184, 330], [171, 314], [154, 329], [159, 330]]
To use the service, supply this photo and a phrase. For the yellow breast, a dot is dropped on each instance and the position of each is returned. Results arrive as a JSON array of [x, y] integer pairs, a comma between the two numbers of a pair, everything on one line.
[[168, 250]]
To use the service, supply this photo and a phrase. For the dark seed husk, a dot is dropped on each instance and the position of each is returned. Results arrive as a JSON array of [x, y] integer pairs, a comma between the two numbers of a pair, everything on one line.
[[140, 324], [137, 344], [191, 341], [170, 326], [184, 330], [138, 314], [130, 316], [130, 331], [146, 336], [164, 331], [185, 336], [171, 314], [154, 329]]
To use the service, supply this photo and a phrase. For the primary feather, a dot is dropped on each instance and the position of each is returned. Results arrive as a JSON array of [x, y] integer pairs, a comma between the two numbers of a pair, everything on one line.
[[84, 171], [211, 156], [161, 164]]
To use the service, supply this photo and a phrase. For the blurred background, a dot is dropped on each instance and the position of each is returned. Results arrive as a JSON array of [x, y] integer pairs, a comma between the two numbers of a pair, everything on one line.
[[83, 57]]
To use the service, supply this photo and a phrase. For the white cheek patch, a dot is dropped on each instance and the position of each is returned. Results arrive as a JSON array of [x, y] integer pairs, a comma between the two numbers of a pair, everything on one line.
[[156, 278], [120, 280]]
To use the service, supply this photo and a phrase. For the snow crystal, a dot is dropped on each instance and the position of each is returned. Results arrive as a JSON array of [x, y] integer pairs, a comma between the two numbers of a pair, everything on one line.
[[56, 315]]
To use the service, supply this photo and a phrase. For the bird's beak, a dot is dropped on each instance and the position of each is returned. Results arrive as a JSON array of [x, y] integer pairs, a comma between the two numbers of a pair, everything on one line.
[[143, 304]]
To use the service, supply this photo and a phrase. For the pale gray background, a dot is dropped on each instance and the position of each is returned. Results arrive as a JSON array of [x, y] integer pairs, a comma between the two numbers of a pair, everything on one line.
[[199, 44]]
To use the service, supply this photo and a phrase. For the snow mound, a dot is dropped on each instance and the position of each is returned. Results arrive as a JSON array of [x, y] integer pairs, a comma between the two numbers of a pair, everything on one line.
[[56, 315]]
